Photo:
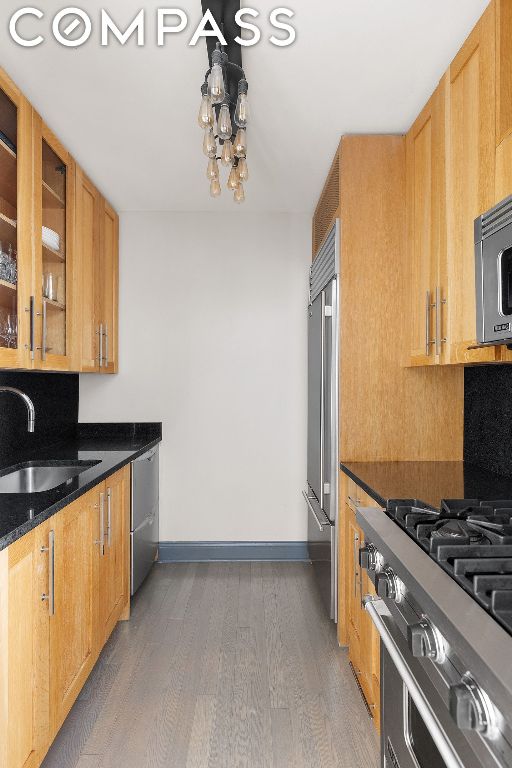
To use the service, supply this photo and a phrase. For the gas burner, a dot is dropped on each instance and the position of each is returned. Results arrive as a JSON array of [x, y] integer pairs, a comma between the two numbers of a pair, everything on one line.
[[472, 541], [454, 531]]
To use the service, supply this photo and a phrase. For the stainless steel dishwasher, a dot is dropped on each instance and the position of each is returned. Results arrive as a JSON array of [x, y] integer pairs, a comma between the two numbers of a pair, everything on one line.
[[144, 516]]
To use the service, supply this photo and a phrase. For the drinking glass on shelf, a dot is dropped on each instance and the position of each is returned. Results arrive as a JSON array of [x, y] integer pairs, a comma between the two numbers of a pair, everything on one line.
[[12, 329], [50, 286]]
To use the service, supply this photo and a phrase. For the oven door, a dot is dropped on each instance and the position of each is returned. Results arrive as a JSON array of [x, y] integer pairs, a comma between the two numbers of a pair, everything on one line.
[[417, 729]]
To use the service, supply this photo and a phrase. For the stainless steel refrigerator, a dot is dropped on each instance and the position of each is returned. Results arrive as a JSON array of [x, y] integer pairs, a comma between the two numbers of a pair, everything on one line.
[[321, 495]]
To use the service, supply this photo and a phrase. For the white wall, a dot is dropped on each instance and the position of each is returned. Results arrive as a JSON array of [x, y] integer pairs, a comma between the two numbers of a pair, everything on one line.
[[213, 344]]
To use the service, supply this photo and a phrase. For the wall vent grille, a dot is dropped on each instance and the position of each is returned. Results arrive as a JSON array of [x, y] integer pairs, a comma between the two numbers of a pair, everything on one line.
[[494, 220], [326, 263], [328, 204]]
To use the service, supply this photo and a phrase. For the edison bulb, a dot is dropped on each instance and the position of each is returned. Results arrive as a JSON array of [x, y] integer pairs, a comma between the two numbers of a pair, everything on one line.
[[209, 145], [227, 153], [242, 110], [243, 170], [241, 143], [216, 89], [215, 188], [233, 180], [212, 170], [239, 195], [224, 123], [205, 117]]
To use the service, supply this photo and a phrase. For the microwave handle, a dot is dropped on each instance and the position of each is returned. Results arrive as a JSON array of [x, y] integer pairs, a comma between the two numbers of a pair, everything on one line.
[[376, 607]]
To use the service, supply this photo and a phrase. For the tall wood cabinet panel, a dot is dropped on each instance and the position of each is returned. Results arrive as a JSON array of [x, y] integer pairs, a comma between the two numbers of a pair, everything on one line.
[[471, 145], [16, 225]]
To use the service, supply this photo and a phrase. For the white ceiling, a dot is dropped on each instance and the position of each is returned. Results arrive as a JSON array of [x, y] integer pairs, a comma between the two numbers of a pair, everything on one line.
[[128, 114]]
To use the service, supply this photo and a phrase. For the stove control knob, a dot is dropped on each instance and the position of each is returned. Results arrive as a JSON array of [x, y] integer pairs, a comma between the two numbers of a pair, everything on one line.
[[472, 709], [368, 557], [425, 641], [388, 585]]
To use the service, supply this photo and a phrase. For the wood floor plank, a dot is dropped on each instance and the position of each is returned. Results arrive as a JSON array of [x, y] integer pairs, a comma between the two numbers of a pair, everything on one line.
[[198, 754], [223, 665], [284, 749]]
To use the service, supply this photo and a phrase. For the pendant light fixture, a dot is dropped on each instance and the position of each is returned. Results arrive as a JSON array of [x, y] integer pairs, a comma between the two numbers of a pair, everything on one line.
[[223, 119]]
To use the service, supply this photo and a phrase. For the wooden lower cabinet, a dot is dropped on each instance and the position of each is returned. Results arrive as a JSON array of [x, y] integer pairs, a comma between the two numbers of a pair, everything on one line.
[[114, 582], [24, 651], [355, 627], [73, 642], [63, 587]]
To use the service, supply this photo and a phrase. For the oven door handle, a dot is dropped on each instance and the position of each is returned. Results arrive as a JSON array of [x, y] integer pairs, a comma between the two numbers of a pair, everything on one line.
[[377, 608]]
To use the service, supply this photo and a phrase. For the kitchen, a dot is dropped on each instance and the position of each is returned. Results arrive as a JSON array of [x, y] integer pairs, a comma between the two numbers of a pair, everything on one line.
[[254, 445]]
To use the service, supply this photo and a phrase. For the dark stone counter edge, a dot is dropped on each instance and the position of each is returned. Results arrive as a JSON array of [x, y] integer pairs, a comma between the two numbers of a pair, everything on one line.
[[17, 533], [381, 501]]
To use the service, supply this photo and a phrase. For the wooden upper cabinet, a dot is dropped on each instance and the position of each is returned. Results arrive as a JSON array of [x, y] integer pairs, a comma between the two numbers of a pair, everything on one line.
[[426, 230], [15, 225], [109, 286], [55, 345], [97, 247], [471, 146], [24, 712], [88, 209]]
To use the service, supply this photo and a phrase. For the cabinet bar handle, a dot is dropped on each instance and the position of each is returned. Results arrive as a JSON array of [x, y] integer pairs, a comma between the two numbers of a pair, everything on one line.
[[43, 341], [101, 540], [31, 309], [106, 345], [51, 573], [109, 517], [100, 334], [427, 324], [356, 557], [439, 320]]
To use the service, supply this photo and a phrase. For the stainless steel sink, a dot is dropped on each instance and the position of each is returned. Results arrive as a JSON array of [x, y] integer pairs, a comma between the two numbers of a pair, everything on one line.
[[36, 477]]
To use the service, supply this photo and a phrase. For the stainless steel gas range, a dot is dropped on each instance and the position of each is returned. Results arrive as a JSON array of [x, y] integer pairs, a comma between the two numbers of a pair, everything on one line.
[[444, 613]]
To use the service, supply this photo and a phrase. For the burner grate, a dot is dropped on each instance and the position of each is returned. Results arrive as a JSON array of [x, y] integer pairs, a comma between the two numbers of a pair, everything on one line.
[[472, 541]]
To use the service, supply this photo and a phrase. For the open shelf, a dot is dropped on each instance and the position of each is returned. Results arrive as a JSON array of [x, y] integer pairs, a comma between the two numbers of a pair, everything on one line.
[[54, 304], [50, 255], [8, 174], [50, 198]]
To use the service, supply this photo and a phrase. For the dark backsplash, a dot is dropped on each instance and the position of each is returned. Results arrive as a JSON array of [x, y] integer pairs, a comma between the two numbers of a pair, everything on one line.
[[488, 418], [55, 398]]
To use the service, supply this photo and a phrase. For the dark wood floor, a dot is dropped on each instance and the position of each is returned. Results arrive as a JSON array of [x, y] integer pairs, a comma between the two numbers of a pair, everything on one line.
[[226, 665]]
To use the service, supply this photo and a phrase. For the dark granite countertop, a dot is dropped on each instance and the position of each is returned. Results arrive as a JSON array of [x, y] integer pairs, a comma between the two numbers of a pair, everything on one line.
[[112, 446], [427, 481]]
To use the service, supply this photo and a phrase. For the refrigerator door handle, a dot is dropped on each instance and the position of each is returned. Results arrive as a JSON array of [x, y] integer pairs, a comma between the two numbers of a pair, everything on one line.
[[322, 407], [322, 523]]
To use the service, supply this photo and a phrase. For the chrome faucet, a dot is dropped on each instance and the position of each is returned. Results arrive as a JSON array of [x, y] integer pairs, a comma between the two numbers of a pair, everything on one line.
[[28, 402]]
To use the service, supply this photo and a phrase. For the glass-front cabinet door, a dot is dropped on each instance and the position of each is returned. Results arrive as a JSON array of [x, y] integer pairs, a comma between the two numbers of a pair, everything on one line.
[[53, 267], [15, 226]]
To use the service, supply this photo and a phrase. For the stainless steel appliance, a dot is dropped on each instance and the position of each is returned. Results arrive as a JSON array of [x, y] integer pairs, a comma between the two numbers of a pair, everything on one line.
[[444, 613], [144, 516], [493, 259], [322, 468]]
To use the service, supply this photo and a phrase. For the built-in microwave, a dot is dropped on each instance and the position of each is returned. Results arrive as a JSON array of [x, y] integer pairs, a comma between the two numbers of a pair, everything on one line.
[[493, 259]]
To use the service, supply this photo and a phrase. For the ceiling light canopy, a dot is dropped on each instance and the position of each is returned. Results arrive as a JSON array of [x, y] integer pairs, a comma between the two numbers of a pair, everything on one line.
[[223, 116]]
